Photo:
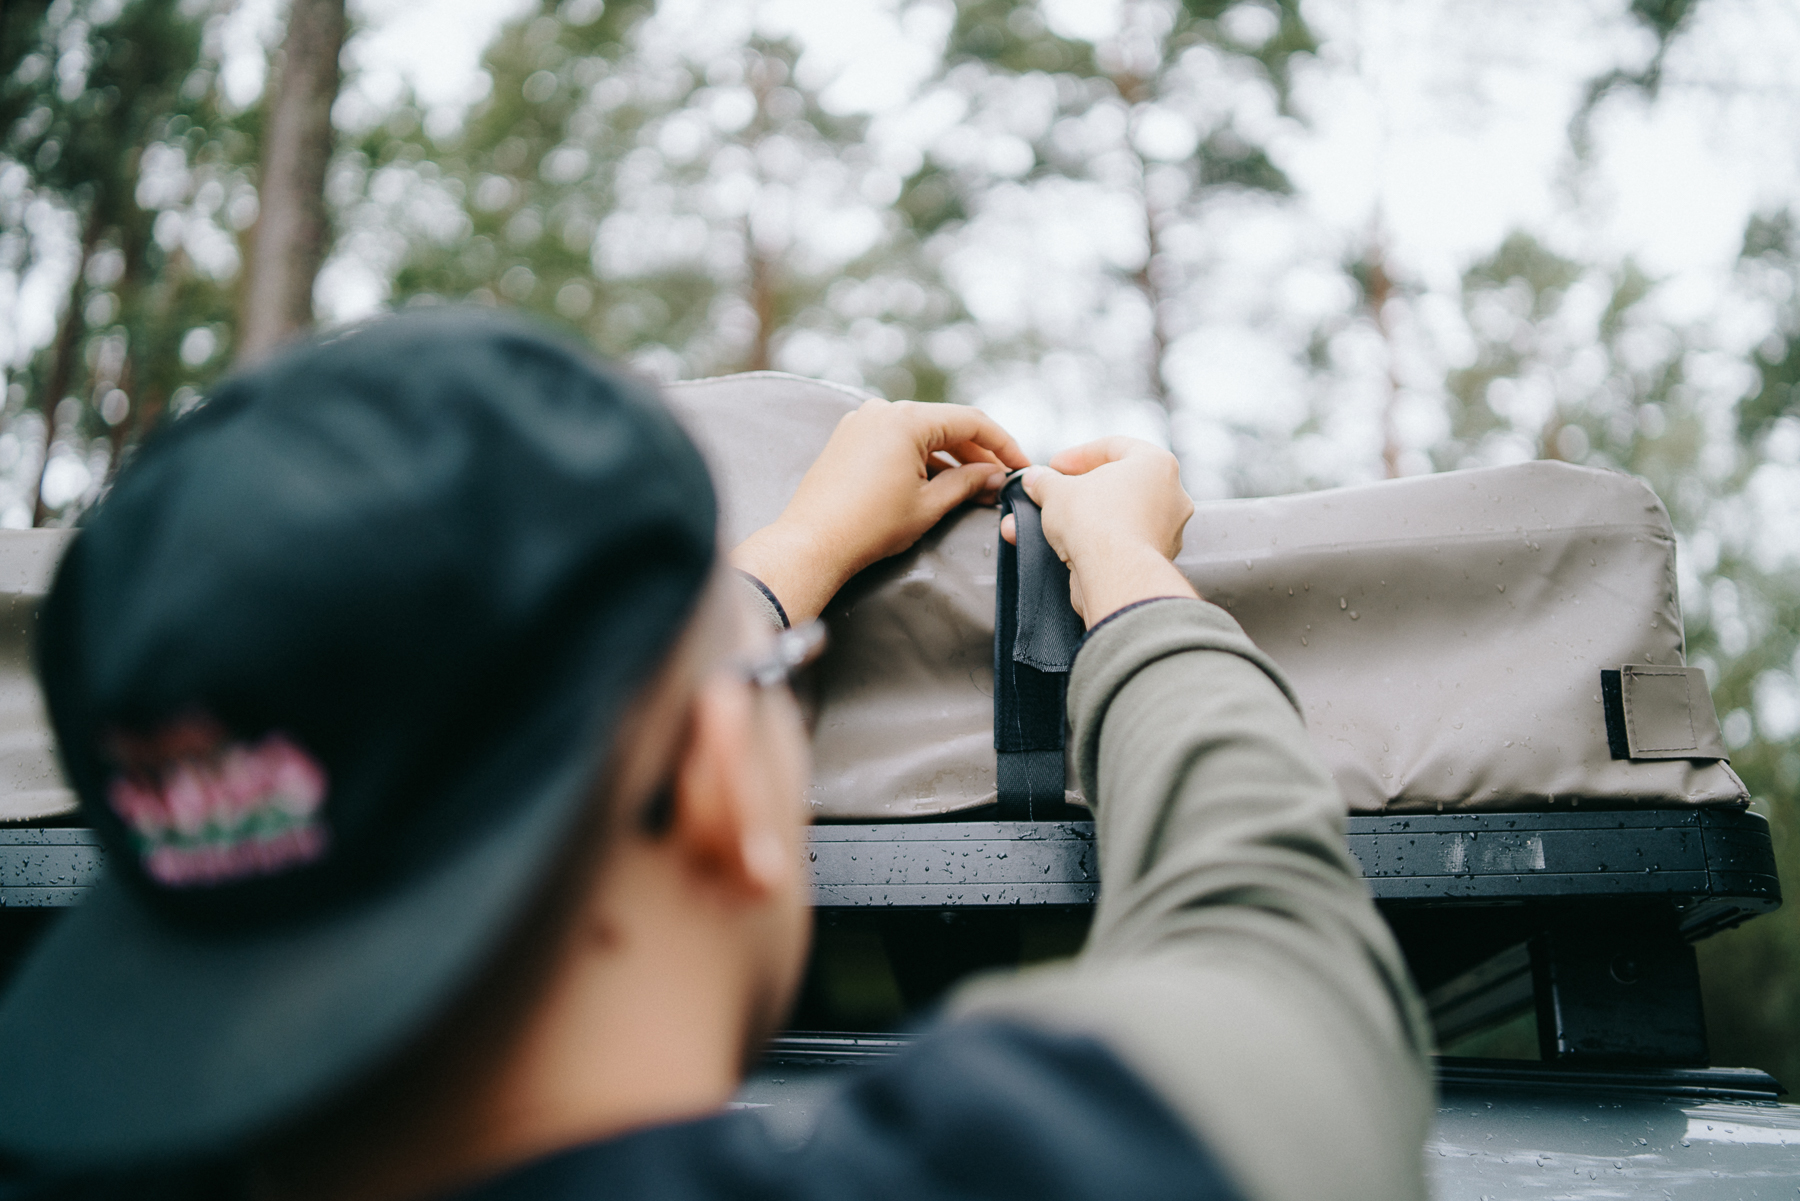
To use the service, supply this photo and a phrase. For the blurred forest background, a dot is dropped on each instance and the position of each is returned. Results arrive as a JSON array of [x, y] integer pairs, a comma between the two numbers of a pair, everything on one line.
[[1232, 226]]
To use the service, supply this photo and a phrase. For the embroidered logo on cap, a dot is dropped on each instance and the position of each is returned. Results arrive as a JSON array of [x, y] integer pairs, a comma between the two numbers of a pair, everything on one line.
[[204, 809]]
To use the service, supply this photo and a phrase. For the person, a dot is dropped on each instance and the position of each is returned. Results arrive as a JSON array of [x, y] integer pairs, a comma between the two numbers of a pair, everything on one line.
[[455, 832]]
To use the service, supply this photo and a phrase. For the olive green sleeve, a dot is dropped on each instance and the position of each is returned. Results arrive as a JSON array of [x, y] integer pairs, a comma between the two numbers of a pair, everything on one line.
[[1236, 961]]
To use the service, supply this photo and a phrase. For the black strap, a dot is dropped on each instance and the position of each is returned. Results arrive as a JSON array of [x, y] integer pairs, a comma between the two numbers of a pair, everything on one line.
[[1036, 633]]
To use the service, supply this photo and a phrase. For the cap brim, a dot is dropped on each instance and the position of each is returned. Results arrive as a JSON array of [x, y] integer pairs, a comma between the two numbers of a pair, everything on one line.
[[132, 1039]]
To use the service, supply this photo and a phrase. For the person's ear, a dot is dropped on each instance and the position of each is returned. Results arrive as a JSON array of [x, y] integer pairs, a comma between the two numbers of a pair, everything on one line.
[[717, 825]]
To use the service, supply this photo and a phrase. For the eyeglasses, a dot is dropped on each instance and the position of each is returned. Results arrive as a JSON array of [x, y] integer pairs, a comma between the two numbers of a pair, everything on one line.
[[792, 650]]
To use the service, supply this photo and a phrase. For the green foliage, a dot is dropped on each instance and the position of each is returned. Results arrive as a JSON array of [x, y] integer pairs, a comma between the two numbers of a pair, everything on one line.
[[1127, 120], [1665, 20], [1749, 626], [1772, 243], [1225, 160], [20, 25], [1292, 37], [1537, 316], [657, 202], [1569, 364], [1011, 36], [142, 113]]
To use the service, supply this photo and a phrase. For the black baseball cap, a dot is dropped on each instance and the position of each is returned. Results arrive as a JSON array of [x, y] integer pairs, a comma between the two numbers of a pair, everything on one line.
[[332, 668]]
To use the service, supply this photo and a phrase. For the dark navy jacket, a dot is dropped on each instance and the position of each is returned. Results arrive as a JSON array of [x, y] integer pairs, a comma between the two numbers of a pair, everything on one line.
[[975, 1111]]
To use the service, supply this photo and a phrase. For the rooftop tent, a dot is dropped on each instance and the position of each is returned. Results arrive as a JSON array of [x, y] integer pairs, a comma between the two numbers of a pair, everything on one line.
[[1459, 641], [31, 783], [1497, 639]]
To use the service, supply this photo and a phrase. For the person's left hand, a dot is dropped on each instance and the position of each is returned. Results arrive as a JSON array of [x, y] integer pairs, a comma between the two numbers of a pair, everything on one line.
[[878, 485]]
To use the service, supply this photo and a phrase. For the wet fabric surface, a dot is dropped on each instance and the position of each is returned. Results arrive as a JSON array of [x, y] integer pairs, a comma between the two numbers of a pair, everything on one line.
[[1445, 634]]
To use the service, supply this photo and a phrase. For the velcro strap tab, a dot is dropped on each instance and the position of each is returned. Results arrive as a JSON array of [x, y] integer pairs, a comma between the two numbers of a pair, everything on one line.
[[1661, 712]]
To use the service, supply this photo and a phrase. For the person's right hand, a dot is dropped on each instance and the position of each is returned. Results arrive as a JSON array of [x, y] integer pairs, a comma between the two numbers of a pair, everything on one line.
[[1113, 510]]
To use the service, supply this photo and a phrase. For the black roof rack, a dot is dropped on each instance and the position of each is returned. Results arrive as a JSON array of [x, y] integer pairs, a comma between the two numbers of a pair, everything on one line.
[[1587, 915], [1714, 867]]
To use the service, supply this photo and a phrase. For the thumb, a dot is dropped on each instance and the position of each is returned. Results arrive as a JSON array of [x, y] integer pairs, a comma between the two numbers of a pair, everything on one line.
[[1041, 484], [952, 487]]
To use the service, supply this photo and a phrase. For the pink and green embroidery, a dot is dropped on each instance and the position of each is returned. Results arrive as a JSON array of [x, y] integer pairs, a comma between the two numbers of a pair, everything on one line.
[[203, 809]]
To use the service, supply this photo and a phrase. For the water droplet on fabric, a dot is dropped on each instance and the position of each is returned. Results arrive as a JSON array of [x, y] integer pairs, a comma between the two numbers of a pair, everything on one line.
[[1342, 603], [1501, 587], [1353, 615]]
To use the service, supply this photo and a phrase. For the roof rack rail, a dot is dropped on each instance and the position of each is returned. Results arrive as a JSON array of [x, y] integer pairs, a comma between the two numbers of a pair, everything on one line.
[[1588, 916]]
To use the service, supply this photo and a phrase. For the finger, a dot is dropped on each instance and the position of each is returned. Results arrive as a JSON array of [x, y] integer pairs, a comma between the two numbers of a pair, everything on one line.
[[941, 426], [1009, 529], [972, 452], [1039, 483], [958, 484], [1078, 460]]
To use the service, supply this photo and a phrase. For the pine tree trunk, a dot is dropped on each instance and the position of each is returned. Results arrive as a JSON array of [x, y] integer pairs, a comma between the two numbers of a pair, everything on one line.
[[292, 228], [1378, 289], [63, 356], [1157, 352], [1135, 91], [763, 303]]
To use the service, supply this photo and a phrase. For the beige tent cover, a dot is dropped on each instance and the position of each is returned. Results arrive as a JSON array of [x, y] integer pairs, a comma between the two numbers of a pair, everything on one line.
[[31, 783], [1446, 633]]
